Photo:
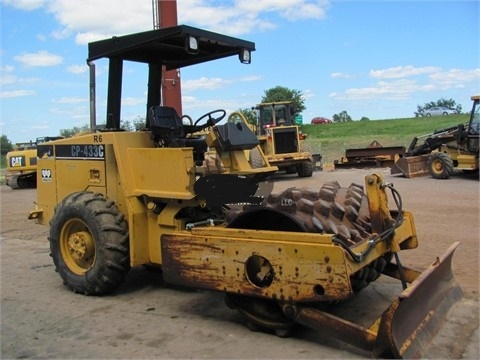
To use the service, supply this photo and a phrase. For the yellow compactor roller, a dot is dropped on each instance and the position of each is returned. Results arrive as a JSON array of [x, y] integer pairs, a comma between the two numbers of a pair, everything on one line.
[[116, 199]]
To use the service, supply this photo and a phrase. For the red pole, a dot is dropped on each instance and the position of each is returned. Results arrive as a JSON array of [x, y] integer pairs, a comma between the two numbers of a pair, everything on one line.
[[171, 87]]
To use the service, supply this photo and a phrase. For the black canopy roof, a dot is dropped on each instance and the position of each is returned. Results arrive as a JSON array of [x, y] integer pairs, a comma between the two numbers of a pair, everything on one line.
[[167, 47], [157, 48]]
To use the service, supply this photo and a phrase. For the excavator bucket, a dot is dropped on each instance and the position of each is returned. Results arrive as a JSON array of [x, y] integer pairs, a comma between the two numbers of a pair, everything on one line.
[[412, 320], [411, 166]]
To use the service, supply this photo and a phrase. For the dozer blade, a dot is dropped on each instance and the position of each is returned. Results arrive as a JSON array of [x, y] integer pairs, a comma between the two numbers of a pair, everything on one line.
[[412, 320], [407, 326], [411, 166]]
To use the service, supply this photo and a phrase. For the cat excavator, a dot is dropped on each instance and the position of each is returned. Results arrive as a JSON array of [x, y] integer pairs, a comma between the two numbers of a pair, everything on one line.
[[115, 199]]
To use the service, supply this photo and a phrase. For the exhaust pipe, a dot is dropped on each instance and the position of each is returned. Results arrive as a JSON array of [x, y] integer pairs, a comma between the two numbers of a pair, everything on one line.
[[93, 119]]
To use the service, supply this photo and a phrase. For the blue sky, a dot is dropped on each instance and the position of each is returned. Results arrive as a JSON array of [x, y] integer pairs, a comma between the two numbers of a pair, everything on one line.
[[378, 59]]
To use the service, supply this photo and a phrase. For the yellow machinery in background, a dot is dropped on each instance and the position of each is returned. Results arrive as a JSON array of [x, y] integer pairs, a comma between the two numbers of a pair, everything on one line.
[[116, 199], [442, 152], [280, 139], [22, 164]]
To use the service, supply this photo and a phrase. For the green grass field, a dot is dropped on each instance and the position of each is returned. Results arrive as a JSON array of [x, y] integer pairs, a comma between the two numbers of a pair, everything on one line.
[[331, 140]]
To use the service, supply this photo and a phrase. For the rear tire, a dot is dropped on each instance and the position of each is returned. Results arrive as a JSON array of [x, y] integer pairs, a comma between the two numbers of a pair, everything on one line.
[[305, 169], [440, 165], [255, 159], [89, 243]]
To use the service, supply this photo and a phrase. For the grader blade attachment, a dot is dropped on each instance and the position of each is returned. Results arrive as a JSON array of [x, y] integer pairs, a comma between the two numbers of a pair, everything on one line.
[[407, 326], [412, 320], [411, 166]]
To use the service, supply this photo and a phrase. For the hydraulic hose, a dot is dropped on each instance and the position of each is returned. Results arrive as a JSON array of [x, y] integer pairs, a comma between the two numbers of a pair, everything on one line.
[[384, 236]]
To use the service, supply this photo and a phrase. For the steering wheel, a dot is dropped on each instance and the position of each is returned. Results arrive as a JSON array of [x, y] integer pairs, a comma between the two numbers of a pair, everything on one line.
[[188, 118], [212, 120]]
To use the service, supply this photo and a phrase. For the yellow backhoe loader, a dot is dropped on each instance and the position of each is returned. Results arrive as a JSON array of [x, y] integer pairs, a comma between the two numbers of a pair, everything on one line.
[[442, 152], [116, 199]]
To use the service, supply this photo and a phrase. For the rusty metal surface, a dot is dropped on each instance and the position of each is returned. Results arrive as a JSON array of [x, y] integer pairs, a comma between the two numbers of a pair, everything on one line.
[[364, 163], [411, 167], [333, 326], [291, 270], [371, 152], [380, 218], [377, 155], [413, 319]]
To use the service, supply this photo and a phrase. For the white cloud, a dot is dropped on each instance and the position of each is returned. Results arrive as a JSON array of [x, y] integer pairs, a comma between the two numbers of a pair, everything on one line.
[[392, 90], [85, 38], [402, 71], [341, 75], [197, 107], [204, 83], [8, 79], [214, 83], [16, 93], [7, 68], [40, 58], [28, 80], [70, 100], [305, 10], [84, 117], [233, 20], [71, 112], [61, 33], [291, 10], [129, 101], [93, 20], [24, 4], [308, 94], [245, 16], [250, 78], [188, 99], [402, 87], [454, 77], [77, 69]]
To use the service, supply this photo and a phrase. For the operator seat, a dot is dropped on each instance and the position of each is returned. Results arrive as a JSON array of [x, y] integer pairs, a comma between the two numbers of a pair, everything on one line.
[[167, 126], [164, 122]]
